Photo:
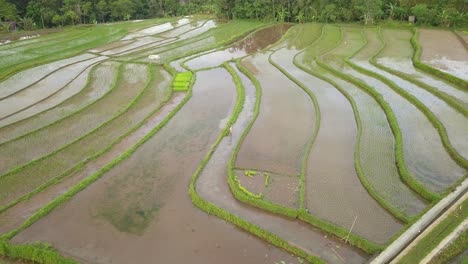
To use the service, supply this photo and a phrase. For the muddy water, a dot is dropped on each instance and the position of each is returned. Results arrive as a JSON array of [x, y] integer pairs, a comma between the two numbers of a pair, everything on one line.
[[397, 55], [429, 163], [255, 42], [154, 202], [100, 83], [283, 127], [68, 91], [212, 186], [59, 134], [16, 215], [18, 81], [333, 189], [443, 50], [44, 88]]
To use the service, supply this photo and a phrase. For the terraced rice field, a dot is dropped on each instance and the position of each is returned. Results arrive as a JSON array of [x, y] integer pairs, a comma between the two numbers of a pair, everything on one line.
[[296, 143]]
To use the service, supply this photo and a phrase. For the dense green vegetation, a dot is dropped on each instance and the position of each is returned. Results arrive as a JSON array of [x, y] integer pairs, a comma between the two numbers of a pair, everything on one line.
[[32, 14]]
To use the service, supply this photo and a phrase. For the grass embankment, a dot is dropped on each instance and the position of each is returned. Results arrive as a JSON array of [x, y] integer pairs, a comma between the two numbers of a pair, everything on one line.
[[455, 248], [211, 208], [70, 43], [24, 251], [436, 235], [449, 99], [462, 84], [460, 160]]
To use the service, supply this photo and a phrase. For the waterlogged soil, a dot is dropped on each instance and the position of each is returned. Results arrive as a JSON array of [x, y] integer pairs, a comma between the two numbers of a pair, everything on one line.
[[183, 29], [54, 137], [23, 79], [397, 55], [430, 164], [284, 125], [252, 44], [74, 87], [100, 82], [44, 88], [150, 214], [300, 36], [377, 155], [333, 190], [112, 45], [198, 31], [212, 186], [157, 29], [443, 50], [455, 123], [15, 216]]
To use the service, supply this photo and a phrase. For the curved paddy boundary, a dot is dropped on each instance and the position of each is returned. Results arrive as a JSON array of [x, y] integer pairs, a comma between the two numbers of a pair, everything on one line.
[[460, 38], [114, 84], [119, 113], [404, 172], [458, 82], [211, 208], [28, 252], [450, 100], [460, 160], [95, 156], [249, 198], [52, 94], [245, 196], [45, 76]]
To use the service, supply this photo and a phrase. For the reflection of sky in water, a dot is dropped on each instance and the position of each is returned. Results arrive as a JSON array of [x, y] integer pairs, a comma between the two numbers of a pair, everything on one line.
[[208, 25], [455, 67], [157, 29]]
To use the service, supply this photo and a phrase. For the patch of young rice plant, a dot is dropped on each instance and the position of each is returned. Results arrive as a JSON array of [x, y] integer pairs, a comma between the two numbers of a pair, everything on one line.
[[330, 37], [100, 82], [54, 137]]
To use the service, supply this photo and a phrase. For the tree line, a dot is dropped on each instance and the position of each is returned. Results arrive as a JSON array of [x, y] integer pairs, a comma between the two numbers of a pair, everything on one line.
[[49, 13]]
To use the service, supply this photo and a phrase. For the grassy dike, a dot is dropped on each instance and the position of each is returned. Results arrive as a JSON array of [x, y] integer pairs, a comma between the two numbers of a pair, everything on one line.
[[29, 252], [460, 160], [460, 83], [404, 172], [211, 208], [442, 95]]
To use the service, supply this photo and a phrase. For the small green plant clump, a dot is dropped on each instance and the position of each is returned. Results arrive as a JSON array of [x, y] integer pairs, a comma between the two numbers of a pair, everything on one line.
[[182, 81], [250, 173], [267, 178]]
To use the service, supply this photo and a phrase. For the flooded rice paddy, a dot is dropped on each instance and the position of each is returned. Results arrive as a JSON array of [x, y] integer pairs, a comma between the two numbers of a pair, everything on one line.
[[102, 142]]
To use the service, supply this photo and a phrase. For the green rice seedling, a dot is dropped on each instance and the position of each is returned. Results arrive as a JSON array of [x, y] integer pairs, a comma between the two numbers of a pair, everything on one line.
[[250, 173], [267, 178], [182, 81]]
